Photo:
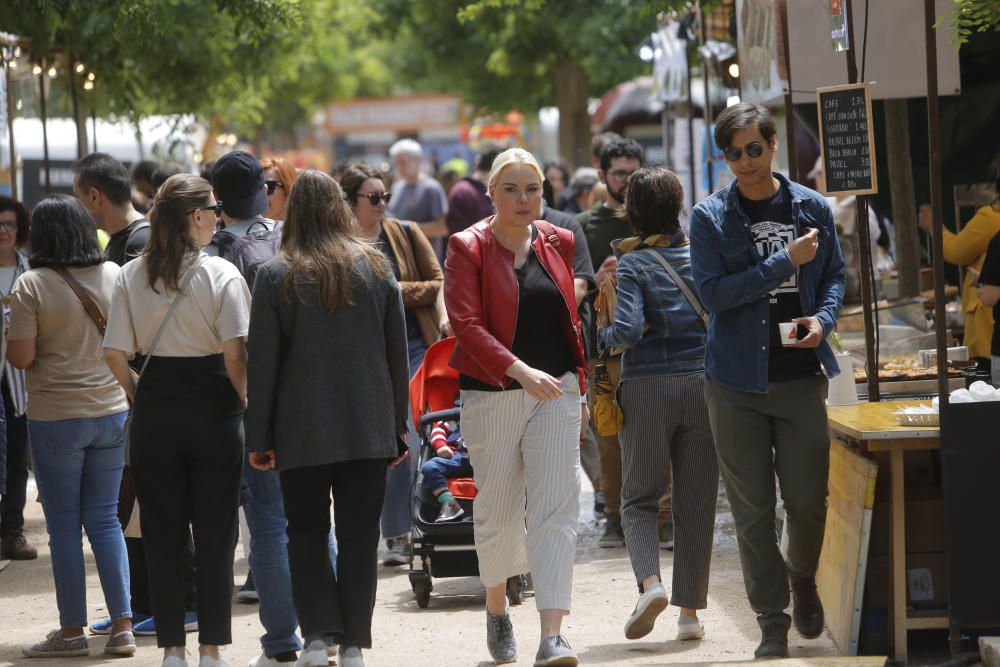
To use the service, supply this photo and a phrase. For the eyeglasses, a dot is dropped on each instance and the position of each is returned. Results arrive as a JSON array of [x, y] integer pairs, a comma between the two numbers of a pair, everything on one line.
[[753, 149], [271, 185], [215, 207], [620, 174], [376, 197], [8, 226]]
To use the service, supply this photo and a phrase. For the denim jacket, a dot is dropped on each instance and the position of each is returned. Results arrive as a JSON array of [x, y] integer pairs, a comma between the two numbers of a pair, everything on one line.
[[660, 330], [733, 281]]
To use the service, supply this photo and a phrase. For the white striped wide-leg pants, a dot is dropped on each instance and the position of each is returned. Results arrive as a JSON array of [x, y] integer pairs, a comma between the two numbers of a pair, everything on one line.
[[525, 456]]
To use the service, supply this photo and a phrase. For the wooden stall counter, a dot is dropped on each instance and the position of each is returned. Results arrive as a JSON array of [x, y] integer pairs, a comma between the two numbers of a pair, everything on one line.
[[872, 427]]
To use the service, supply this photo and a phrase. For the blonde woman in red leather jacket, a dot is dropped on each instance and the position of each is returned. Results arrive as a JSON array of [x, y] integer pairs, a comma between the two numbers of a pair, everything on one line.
[[510, 299]]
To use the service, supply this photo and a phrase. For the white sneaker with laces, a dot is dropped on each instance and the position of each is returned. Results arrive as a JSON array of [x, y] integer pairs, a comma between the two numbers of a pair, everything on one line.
[[651, 603], [689, 627]]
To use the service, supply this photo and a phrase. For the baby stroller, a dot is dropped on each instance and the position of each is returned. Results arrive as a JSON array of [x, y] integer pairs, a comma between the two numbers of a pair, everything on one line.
[[444, 549]]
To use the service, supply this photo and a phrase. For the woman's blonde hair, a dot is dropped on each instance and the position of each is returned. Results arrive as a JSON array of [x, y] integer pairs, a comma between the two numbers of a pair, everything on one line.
[[320, 244], [509, 157]]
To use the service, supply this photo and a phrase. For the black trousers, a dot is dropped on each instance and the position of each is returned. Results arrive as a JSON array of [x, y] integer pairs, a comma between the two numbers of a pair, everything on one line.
[[186, 458], [138, 570], [337, 604], [12, 502]]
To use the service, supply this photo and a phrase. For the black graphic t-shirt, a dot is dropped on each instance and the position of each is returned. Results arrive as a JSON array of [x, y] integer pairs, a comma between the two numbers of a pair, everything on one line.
[[772, 229]]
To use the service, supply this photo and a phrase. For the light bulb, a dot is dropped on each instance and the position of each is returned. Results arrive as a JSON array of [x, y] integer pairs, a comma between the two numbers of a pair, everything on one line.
[[36, 70], [52, 72], [88, 85], [734, 71], [91, 76], [80, 68]]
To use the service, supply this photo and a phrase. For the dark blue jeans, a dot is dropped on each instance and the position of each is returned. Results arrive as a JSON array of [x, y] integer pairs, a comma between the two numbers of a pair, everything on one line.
[[438, 471]]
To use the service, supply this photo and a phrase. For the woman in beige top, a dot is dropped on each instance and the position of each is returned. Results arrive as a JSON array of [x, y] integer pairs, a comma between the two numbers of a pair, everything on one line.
[[76, 419], [186, 438]]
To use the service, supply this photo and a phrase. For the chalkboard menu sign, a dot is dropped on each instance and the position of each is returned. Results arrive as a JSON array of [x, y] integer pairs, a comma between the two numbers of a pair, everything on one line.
[[847, 139]]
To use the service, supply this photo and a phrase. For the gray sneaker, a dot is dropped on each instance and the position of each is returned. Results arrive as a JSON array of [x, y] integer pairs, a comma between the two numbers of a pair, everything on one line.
[[55, 646], [399, 551], [121, 643], [613, 536], [556, 651], [500, 638], [450, 511]]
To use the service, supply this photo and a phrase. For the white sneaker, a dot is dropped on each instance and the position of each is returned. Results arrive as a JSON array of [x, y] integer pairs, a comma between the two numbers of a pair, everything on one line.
[[313, 655], [689, 627], [208, 661], [350, 656], [650, 605], [174, 661], [264, 661]]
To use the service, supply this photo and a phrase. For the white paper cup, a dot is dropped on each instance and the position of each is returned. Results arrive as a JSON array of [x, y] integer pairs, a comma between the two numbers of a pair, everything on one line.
[[788, 331]]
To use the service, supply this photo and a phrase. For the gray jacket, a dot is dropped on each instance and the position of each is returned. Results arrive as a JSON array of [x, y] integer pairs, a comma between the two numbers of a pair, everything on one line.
[[325, 387]]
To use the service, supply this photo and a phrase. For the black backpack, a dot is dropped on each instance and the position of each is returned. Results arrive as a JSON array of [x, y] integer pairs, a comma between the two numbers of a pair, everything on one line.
[[249, 252]]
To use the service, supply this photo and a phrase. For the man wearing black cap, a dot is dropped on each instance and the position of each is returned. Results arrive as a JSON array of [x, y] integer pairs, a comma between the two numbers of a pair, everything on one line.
[[238, 180]]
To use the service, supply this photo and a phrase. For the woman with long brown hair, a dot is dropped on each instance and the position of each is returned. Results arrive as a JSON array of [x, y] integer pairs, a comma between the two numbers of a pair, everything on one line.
[[188, 314], [328, 376]]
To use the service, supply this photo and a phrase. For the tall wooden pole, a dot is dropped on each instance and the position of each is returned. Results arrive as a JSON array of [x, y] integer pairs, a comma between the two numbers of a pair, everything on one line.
[[937, 233], [45, 130], [864, 236], [78, 117], [10, 131], [707, 111], [790, 147]]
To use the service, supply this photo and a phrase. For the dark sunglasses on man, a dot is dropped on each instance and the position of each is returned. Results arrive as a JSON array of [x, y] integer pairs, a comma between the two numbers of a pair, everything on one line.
[[376, 197], [271, 185], [754, 149]]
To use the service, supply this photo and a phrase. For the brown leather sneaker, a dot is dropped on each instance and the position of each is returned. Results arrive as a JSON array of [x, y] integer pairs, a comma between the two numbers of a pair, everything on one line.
[[807, 609], [15, 547]]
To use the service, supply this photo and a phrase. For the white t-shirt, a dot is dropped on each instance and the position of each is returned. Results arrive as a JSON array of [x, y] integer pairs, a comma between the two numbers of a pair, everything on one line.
[[214, 308]]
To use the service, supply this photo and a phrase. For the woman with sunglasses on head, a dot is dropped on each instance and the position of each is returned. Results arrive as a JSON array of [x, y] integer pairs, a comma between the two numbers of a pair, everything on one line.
[[415, 265], [188, 314], [329, 383], [76, 417], [279, 177]]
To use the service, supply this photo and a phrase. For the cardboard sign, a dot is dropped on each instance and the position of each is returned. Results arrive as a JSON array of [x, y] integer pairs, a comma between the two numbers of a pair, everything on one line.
[[847, 139]]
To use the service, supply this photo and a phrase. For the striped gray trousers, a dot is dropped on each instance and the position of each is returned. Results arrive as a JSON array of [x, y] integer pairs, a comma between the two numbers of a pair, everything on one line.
[[526, 462], [666, 428]]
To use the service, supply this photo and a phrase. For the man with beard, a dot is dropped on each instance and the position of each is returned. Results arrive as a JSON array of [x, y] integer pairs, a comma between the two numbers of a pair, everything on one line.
[[602, 225]]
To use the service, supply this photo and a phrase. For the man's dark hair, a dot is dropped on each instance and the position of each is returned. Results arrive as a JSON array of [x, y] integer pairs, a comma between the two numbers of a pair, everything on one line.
[[63, 234], [653, 201], [600, 142], [22, 216], [102, 171], [740, 117], [484, 161], [620, 148], [163, 172], [206, 170], [144, 170]]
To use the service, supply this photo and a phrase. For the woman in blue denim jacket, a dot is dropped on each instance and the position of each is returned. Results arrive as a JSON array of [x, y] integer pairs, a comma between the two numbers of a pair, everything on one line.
[[661, 395]]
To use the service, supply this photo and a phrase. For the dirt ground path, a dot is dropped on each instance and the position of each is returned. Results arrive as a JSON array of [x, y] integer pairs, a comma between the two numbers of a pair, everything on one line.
[[452, 630]]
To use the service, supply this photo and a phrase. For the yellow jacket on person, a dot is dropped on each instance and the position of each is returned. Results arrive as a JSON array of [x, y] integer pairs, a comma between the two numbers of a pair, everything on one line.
[[968, 249]]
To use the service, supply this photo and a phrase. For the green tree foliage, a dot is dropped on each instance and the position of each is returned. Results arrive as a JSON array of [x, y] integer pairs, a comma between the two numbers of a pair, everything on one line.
[[969, 16]]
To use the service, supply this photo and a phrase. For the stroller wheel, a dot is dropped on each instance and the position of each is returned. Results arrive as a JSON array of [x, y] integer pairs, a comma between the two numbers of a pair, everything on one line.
[[515, 589], [420, 582]]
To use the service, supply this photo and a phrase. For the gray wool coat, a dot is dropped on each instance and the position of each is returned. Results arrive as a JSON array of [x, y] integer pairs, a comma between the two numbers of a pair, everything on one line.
[[325, 387]]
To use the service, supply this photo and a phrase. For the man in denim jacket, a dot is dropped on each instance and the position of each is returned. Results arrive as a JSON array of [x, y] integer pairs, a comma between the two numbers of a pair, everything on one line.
[[764, 251]]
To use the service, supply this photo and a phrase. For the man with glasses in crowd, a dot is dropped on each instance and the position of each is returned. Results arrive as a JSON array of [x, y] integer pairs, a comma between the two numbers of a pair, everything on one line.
[[602, 224], [764, 251]]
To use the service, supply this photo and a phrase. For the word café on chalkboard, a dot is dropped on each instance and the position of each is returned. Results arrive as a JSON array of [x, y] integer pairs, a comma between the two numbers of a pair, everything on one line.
[[847, 138]]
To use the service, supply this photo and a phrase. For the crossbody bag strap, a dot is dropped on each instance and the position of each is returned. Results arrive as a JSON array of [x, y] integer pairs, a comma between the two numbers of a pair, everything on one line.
[[173, 306], [89, 305], [691, 297]]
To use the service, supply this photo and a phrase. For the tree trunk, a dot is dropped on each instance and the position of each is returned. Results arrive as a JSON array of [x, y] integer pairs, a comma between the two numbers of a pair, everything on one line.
[[574, 122], [904, 208]]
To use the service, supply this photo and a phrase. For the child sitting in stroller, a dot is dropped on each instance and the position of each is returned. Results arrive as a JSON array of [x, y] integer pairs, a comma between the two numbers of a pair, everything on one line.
[[451, 461]]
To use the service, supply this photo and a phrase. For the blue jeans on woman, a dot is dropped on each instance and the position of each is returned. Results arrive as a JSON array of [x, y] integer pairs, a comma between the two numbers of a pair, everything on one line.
[[78, 468], [396, 518]]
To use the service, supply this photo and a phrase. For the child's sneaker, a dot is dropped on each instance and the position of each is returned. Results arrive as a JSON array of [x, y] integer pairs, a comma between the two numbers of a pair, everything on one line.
[[54, 646], [450, 511]]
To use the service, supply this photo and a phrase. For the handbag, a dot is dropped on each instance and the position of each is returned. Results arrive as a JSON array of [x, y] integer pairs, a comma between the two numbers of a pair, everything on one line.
[[156, 339]]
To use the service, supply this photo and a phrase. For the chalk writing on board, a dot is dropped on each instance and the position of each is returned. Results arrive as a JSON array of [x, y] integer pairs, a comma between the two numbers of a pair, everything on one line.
[[847, 139]]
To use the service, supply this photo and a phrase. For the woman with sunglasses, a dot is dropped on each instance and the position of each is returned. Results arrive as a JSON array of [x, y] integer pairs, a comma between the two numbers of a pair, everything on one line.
[[189, 315], [416, 267], [279, 177]]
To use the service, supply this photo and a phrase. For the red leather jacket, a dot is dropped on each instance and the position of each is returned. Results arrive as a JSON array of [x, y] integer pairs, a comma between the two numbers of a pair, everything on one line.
[[481, 295]]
